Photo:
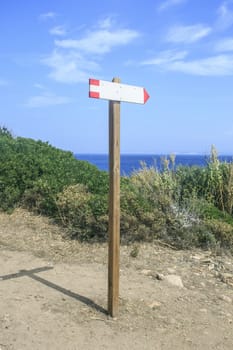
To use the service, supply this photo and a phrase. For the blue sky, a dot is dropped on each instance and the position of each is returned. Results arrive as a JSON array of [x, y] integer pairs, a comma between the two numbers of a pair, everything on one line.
[[181, 51]]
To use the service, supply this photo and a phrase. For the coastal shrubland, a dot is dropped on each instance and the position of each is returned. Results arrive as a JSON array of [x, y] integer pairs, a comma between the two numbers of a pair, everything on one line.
[[181, 206], [33, 172]]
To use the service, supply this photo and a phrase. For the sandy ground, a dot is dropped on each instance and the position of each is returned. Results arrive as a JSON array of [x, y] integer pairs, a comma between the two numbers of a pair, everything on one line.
[[53, 294]]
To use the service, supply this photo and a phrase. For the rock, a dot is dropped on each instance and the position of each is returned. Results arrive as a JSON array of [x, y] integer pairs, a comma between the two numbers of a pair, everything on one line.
[[197, 257], [174, 280], [211, 266], [154, 304], [226, 278], [226, 298], [146, 272], [203, 310], [159, 276], [207, 261]]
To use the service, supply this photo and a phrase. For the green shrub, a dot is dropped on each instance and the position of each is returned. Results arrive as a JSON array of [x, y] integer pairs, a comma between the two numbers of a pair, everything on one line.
[[223, 233], [33, 173], [74, 210], [82, 213], [196, 235]]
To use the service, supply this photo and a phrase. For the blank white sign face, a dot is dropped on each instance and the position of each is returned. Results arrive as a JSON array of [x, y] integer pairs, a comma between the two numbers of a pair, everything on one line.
[[117, 92]]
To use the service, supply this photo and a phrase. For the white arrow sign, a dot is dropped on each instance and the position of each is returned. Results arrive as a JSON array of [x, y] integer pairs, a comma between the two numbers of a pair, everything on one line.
[[117, 92]]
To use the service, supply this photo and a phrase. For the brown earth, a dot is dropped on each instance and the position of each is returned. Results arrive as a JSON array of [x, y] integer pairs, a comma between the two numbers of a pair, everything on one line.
[[53, 293]]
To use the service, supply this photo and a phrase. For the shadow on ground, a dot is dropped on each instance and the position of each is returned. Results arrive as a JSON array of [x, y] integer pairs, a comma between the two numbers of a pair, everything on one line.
[[31, 274]]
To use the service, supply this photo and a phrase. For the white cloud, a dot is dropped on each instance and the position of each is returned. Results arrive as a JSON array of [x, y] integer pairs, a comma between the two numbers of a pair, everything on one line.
[[166, 57], [101, 41], [106, 23], [170, 3], [225, 15], [220, 65], [225, 45], [72, 60], [69, 67], [47, 15], [46, 100], [58, 30], [188, 34]]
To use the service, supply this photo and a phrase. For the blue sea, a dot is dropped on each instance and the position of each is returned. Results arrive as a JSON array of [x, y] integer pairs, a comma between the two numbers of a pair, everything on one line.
[[132, 162]]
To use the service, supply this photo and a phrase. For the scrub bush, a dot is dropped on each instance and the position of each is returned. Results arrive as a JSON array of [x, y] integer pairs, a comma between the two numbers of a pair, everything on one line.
[[32, 173]]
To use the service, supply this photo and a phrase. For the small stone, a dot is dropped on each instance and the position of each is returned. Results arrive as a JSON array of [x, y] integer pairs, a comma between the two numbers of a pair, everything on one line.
[[226, 298], [146, 272], [174, 280], [154, 304], [211, 267], [159, 276], [227, 278], [207, 261], [172, 320], [171, 270], [197, 257], [203, 310]]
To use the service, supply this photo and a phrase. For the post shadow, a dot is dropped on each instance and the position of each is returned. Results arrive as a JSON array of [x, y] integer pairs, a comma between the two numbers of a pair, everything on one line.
[[31, 274]]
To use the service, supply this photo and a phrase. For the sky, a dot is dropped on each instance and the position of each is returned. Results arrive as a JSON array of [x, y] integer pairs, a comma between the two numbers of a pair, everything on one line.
[[181, 51]]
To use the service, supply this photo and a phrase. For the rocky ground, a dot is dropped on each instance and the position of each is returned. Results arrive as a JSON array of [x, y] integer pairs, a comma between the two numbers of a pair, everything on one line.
[[53, 293]]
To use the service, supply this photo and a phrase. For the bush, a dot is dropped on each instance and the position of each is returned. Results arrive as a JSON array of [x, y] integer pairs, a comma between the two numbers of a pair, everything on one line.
[[33, 173], [82, 213], [223, 233], [74, 210]]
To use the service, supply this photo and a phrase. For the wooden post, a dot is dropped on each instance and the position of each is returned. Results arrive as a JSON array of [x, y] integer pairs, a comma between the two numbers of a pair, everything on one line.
[[115, 92], [114, 206]]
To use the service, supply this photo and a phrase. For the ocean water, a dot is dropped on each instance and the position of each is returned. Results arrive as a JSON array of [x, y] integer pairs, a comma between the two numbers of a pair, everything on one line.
[[132, 162]]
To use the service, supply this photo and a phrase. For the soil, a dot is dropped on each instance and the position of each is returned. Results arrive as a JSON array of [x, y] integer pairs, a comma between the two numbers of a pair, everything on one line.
[[53, 293]]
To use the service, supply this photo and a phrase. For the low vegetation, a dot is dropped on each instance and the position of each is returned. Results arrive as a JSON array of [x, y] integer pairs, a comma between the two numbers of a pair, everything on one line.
[[184, 207]]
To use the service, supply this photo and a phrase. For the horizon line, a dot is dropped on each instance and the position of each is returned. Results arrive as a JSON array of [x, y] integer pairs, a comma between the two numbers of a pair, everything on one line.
[[155, 154]]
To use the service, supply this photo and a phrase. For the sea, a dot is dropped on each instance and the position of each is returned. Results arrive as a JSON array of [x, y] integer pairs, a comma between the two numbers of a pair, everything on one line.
[[130, 163]]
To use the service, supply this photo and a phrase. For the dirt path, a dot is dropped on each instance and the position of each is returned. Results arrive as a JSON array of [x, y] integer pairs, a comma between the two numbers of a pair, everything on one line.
[[53, 294]]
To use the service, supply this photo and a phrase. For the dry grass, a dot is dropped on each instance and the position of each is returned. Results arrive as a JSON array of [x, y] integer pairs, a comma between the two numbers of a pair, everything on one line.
[[24, 231]]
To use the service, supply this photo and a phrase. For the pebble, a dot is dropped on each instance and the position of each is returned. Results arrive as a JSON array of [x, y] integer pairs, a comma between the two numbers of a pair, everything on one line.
[[197, 257], [146, 272], [203, 310], [174, 280], [207, 261], [226, 298], [226, 278], [159, 276], [154, 304], [211, 266]]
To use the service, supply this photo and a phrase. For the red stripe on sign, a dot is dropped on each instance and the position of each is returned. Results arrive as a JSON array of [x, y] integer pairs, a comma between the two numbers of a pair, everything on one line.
[[94, 94], [94, 82], [146, 95]]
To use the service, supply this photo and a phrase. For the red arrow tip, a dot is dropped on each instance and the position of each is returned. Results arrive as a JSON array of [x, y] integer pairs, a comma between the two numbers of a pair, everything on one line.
[[146, 95]]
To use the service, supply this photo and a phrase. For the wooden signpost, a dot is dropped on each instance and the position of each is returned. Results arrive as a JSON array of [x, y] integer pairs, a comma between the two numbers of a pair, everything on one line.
[[115, 92]]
